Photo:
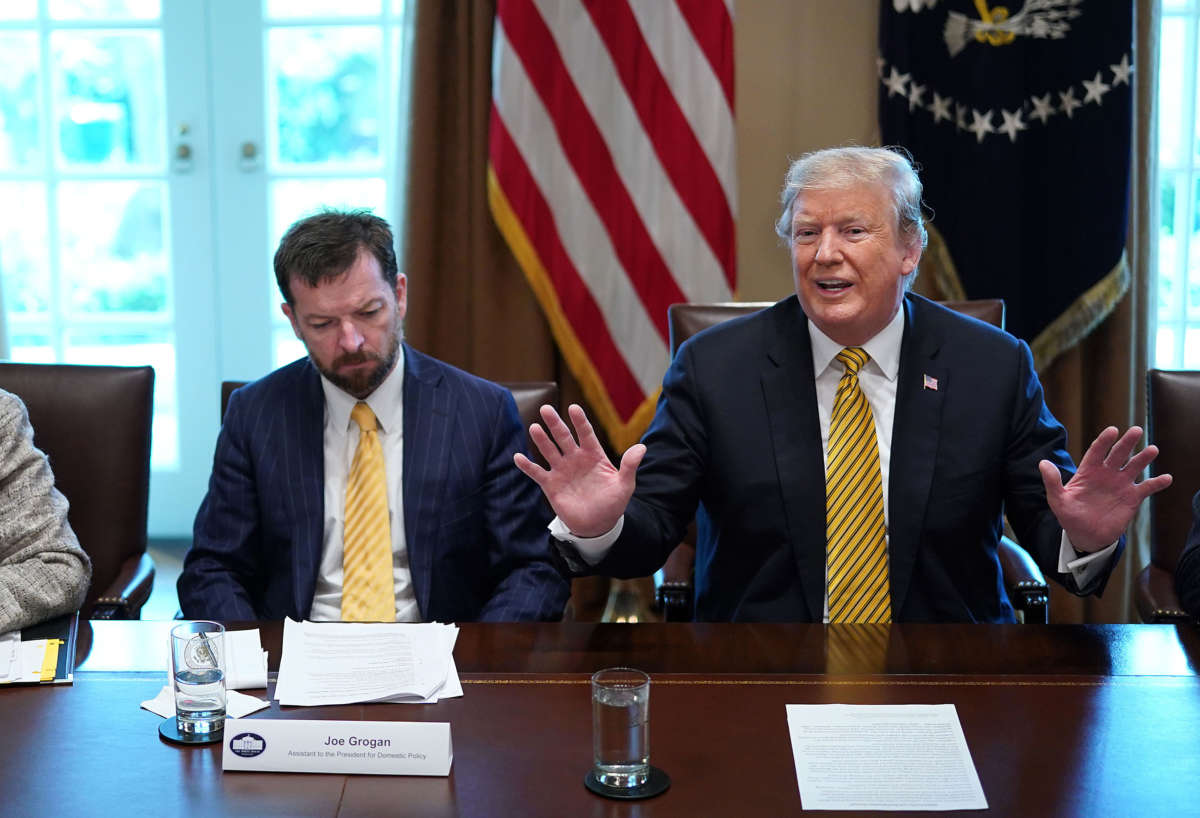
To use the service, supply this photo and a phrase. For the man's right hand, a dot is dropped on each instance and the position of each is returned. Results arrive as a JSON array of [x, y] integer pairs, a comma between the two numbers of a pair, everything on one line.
[[583, 488]]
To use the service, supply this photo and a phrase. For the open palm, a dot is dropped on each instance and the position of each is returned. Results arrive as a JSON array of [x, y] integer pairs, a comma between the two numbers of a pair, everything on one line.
[[583, 487], [1095, 506]]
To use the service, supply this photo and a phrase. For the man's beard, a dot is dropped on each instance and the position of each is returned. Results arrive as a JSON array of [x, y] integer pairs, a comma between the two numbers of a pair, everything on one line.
[[362, 382]]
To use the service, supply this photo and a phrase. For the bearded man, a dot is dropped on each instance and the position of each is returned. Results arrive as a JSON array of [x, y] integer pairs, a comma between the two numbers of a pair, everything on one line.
[[366, 481]]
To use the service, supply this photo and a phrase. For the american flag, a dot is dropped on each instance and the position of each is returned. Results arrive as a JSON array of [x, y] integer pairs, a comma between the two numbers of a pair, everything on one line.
[[611, 176]]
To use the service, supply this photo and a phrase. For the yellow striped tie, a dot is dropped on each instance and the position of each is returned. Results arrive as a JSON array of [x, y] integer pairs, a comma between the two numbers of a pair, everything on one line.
[[368, 592], [856, 548]]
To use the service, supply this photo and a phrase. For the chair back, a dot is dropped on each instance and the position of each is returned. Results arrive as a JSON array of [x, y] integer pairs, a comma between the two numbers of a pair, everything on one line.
[[1172, 403], [93, 423], [685, 320]]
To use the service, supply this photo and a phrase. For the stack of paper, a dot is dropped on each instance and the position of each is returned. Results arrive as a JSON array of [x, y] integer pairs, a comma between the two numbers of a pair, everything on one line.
[[349, 662], [25, 662]]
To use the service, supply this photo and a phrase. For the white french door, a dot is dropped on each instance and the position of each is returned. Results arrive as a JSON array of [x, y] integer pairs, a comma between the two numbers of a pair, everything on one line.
[[151, 154]]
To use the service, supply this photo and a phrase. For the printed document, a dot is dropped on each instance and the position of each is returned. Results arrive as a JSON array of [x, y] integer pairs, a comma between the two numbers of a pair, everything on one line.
[[882, 757], [347, 662]]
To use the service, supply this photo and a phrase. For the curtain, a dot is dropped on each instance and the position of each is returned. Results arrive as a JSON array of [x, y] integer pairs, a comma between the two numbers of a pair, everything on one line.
[[1102, 381], [468, 302]]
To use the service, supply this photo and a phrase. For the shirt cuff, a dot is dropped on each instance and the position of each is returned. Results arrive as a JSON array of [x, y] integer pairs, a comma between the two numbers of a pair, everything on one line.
[[1084, 568], [591, 549]]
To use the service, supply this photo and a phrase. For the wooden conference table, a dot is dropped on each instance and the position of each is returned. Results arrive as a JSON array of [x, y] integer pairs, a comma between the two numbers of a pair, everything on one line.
[[1060, 720]]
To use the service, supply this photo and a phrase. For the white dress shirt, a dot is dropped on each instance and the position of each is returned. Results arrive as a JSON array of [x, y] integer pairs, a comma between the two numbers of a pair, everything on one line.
[[877, 379], [340, 440]]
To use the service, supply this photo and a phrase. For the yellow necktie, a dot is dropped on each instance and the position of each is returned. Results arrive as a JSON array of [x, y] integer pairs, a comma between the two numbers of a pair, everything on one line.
[[856, 548], [368, 591]]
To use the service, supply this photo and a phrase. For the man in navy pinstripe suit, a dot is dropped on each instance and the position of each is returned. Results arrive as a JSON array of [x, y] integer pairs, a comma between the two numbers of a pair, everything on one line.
[[468, 531]]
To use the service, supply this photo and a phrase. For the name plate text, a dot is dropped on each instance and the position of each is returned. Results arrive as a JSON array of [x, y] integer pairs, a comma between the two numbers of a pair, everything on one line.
[[346, 747]]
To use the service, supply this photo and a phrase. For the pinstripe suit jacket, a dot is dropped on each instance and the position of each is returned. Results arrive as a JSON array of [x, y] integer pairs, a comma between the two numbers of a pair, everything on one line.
[[475, 526]]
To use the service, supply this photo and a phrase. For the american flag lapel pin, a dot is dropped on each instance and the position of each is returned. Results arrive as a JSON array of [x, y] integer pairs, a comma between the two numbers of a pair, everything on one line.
[[930, 382]]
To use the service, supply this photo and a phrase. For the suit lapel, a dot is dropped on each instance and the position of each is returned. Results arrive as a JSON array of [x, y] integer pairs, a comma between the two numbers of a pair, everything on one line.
[[304, 456], [426, 461], [789, 390], [916, 428]]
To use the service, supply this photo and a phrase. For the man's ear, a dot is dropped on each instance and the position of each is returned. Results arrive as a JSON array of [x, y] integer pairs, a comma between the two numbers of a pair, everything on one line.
[[291, 317], [401, 295], [912, 256]]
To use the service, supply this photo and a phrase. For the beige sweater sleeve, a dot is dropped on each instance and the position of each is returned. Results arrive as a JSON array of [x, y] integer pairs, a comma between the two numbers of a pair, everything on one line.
[[43, 570]]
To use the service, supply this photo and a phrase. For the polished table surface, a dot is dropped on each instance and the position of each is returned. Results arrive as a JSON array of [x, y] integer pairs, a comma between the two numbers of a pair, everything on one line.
[[1060, 720]]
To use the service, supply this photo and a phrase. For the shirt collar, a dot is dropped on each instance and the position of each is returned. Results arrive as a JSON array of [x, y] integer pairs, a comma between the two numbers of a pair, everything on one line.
[[884, 347], [386, 401]]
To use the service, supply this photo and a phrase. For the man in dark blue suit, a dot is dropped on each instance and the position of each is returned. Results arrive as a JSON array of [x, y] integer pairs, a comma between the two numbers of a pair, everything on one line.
[[466, 532], [742, 440]]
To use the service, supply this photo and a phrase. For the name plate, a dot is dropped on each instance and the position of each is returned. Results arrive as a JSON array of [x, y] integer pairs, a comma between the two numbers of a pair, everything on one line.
[[346, 747]]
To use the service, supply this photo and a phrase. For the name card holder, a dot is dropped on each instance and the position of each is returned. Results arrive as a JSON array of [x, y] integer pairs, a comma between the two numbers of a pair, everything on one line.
[[344, 747]]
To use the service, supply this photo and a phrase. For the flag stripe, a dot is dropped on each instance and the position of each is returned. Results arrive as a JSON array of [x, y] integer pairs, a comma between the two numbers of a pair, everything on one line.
[[664, 121], [582, 233], [611, 176], [689, 75], [580, 309], [584, 147], [668, 221], [714, 36]]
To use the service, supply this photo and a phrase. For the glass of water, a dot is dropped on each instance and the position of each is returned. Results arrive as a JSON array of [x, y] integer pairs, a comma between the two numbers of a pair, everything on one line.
[[198, 672], [621, 727]]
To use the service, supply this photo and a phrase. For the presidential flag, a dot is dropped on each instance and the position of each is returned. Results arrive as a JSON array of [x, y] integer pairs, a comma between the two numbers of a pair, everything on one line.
[[1019, 118], [611, 176]]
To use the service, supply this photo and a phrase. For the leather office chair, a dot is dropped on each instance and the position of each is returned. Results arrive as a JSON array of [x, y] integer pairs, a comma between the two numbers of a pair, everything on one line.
[[1023, 580], [93, 422], [1172, 401]]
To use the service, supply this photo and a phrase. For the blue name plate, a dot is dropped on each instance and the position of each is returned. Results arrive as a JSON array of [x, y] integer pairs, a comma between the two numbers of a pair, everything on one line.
[[345, 747]]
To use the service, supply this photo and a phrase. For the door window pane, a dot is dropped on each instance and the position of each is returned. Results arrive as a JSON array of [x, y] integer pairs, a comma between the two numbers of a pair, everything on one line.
[[138, 347], [292, 199], [113, 253], [1191, 348], [1172, 89], [324, 84], [31, 347], [20, 115], [287, 346], [108, 98], [18, 10], [105, 9], [24, 248], [299, 9]]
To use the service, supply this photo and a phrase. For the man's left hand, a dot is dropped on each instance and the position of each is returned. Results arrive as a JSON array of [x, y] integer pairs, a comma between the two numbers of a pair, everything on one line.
[[1095, 506]]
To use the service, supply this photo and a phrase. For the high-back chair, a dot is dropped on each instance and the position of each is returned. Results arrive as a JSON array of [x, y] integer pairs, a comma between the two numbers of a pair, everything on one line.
[[93, 423], [1023, 580], [1172, 403]]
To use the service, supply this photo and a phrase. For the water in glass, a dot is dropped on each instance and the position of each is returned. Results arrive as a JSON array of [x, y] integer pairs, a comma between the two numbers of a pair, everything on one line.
[[620, 736]]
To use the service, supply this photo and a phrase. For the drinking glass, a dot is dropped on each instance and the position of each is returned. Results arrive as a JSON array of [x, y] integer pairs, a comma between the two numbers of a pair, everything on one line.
[[621, 727], [198, 672]]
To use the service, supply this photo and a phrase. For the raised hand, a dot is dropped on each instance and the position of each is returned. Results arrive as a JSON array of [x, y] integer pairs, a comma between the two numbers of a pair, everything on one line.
[[1096, 505], [586, 492]]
